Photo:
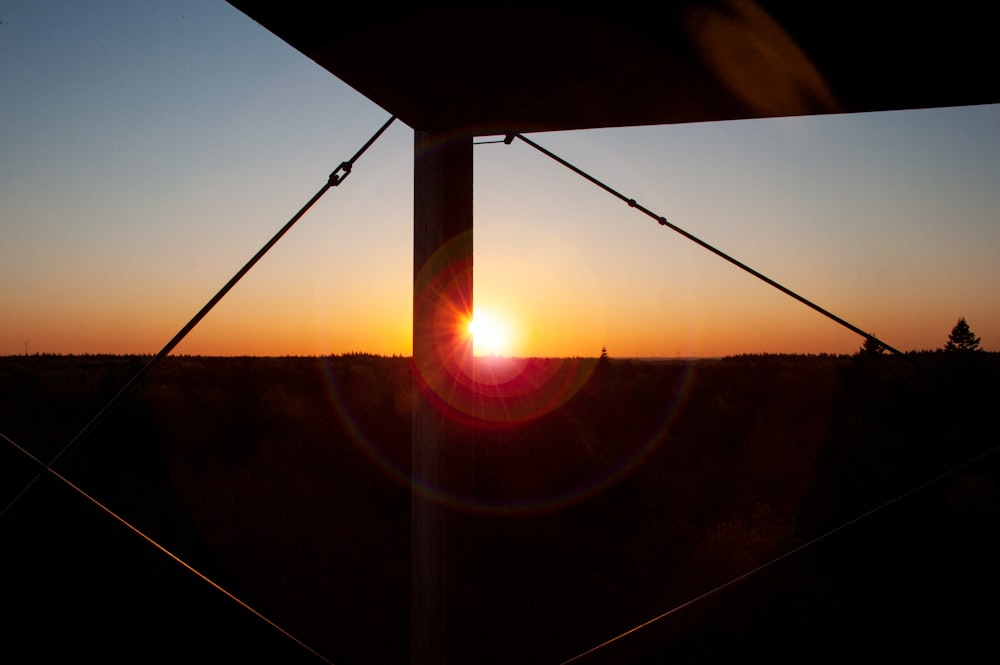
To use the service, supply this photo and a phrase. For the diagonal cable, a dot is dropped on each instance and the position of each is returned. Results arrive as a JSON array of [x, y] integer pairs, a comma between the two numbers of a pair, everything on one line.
[[664, 222], [47, 469], [768, 564], [336, 177], [718, 252]]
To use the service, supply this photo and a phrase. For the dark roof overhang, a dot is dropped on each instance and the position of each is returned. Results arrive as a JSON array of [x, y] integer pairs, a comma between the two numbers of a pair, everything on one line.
[[499, 67]]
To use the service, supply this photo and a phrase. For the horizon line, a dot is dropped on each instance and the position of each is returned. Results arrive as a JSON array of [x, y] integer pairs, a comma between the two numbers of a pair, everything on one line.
[[347, 354]]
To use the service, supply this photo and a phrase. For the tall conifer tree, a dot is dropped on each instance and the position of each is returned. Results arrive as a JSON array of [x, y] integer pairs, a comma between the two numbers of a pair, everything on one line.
[[961, 338]]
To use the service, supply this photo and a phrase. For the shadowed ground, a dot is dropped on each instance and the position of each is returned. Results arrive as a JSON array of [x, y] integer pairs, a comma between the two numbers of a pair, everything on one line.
[[284, 480]]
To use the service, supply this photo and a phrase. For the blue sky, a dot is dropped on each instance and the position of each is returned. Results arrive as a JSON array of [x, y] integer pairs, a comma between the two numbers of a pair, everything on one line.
[[149, 149]]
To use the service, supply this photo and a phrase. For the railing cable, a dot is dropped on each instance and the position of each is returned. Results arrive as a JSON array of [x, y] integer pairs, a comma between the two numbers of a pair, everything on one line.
[[335, 178], [868, 336], [47, 469], [768, 564]]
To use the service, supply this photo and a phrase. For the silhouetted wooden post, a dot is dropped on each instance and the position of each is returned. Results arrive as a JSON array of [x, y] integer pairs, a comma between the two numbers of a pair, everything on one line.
[[442, 455]]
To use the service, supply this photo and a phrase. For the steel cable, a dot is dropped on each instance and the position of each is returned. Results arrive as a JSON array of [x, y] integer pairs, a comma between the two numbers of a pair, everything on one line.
[[718, 252], [868, 336], [804, 546], [335, 178], [47, 469]]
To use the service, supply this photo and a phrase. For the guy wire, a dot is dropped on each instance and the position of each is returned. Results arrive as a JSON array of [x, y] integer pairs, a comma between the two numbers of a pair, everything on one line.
[[336, 177]]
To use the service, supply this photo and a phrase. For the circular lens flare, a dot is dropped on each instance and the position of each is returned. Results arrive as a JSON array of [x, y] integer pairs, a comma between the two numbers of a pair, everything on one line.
[[496, 395], [585, 463]]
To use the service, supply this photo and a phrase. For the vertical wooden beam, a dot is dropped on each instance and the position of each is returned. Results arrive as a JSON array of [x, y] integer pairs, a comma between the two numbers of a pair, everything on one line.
[[442, 461]]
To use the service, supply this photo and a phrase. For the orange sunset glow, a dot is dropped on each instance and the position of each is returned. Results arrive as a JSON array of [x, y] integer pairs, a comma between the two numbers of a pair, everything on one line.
[[122, 218], [637, 333]]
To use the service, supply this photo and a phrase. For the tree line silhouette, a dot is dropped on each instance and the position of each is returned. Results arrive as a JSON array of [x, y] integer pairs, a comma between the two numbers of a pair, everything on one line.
[[285, 478]]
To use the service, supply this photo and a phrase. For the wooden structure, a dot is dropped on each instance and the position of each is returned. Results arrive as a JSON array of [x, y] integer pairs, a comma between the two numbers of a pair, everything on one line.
[[453, 71], [532, 66]]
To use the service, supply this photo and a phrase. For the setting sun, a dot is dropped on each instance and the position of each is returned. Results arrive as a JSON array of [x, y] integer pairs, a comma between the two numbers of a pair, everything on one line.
[[491, 334]]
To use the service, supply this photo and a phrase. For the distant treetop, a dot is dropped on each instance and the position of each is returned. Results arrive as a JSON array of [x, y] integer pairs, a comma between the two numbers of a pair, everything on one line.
[[871, 348], [961, 339]]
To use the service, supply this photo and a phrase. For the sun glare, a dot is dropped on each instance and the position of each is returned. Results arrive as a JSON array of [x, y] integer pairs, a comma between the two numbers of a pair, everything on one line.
[[491, 335]]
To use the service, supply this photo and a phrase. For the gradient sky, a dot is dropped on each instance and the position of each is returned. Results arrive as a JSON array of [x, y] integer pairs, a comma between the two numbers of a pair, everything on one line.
[[148, 149]]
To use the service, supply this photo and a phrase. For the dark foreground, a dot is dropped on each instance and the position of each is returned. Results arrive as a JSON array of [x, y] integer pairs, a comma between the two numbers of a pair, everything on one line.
[[284, 480]]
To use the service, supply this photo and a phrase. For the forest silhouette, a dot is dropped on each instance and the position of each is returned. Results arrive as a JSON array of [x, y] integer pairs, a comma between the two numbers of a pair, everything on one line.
[[284, 480]]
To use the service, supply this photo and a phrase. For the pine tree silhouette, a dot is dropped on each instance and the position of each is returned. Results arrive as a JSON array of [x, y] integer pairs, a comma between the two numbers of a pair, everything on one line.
[[961, 339], [871, 348]]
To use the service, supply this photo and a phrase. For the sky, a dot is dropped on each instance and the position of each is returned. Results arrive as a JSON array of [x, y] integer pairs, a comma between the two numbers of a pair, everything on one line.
[[148, 149]]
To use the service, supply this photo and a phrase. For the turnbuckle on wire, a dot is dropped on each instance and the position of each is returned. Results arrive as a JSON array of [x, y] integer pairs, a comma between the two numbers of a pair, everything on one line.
[[336, 178]]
